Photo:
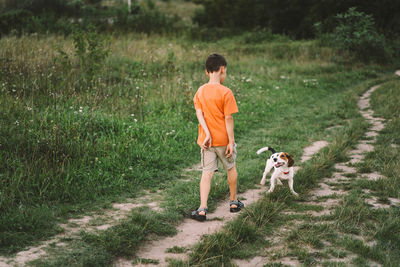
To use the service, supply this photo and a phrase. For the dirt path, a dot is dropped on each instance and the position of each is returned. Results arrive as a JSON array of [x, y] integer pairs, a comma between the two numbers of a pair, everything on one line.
[[328, 196], [190, 231]]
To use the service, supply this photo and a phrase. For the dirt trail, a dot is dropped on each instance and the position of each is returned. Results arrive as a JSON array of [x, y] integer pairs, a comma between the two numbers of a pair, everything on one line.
[[190, 231], [328, 196]]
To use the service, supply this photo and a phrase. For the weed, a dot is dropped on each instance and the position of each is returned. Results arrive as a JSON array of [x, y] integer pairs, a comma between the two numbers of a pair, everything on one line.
[[176, 249]]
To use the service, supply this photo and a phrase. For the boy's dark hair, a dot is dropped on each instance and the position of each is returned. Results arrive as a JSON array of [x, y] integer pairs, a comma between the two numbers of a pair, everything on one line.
[[214, 62]]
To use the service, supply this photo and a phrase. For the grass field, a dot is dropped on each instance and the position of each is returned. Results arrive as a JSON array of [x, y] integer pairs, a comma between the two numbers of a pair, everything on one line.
[[79, 131]]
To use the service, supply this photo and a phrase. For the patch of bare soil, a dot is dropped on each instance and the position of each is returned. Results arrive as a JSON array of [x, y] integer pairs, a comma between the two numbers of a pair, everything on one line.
[[189, 232], [311, 150]]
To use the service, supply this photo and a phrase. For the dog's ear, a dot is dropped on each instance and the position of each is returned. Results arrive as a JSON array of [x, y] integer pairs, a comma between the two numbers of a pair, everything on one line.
[[290, 160]]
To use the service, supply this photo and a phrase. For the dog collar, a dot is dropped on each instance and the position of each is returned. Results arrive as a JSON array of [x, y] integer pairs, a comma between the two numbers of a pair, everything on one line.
[[285, 172]]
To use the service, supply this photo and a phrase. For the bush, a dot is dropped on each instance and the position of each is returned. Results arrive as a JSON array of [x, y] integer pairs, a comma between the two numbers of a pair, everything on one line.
[[43, 16], [15, 20], [356, 33]]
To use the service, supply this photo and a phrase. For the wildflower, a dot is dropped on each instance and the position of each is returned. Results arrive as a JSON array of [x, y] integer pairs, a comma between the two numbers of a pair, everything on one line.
[[16, 123]]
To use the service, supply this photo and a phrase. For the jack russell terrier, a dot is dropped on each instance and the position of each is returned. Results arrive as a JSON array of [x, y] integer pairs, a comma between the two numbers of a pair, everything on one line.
[[283, 168]]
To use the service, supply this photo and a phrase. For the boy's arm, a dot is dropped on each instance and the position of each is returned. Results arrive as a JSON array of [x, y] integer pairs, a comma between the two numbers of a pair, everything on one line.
[[231, 137], [207, 141]]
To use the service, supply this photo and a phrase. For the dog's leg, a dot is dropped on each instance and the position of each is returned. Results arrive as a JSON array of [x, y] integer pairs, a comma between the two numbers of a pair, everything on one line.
[[268, 167], [278, 181], [291, 186], [271, 189]]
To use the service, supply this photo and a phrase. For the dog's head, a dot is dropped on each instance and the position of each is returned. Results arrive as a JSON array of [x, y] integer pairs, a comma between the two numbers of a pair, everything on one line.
[[282, 158]]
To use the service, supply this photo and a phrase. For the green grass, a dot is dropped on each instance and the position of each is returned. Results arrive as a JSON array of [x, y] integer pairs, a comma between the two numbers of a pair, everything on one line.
[[68, 149], [351, 217]]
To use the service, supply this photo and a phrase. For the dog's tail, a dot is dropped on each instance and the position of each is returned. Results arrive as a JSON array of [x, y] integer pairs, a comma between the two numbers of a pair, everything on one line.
[[265, 149]]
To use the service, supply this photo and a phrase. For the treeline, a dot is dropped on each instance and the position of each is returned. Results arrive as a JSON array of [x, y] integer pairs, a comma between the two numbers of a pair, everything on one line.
[[366, 29], [295, 18], [63, 16]]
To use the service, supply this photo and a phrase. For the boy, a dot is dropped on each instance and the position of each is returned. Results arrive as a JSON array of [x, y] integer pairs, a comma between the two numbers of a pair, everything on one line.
[[215, 105]]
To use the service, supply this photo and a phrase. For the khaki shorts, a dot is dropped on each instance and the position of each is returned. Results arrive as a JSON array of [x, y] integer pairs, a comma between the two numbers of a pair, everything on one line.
[[210, 156]]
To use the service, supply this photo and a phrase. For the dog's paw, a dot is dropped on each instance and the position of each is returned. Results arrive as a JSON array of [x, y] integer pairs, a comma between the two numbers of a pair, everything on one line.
[[294, 193], [262, 182], [270, 191]]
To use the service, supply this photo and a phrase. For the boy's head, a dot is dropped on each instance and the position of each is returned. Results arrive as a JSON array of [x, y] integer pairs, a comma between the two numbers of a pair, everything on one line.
[[214, 62]]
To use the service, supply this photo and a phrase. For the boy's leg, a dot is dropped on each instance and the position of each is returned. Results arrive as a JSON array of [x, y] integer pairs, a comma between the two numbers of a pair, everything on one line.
[[232, 181], [205, 185], [210, 165]]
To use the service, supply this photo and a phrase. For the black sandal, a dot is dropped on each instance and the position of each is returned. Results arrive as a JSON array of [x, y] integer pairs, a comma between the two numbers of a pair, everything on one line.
[[239, 205], [195, 215]]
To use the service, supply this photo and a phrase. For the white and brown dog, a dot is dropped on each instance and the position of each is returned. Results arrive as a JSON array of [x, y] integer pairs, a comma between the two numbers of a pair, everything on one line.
[[283, 168]]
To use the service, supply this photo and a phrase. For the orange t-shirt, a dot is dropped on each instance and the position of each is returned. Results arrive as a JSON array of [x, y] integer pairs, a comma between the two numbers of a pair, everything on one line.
[[216, 101]]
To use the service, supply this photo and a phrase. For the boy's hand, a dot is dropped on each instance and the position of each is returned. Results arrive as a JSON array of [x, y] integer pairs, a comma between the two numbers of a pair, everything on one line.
[[229, 150], [207, 142]]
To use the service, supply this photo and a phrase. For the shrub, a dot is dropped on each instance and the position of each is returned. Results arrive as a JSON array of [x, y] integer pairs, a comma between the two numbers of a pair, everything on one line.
[[356, 33], [90, 53]]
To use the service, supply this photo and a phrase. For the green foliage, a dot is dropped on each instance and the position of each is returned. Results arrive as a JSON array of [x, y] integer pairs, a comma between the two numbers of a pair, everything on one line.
[[83, 255], [124, 239], [144, 18], [357, 34], [43, 16], [91, 52], [293, 18], [23, 225]]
